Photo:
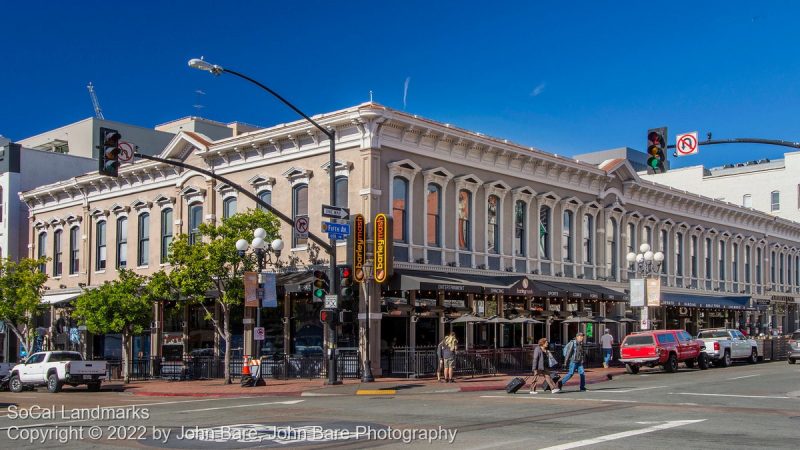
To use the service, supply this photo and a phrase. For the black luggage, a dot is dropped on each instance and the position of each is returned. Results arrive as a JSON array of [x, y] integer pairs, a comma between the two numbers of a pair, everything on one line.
[[555, 378], [515, 384]]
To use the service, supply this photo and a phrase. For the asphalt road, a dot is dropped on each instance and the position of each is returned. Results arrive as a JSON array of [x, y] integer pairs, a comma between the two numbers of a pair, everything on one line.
[[742, 406]]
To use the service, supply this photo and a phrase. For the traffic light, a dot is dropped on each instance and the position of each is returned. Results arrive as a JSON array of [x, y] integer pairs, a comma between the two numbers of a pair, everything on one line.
[[345, 316], [109, 152], [320, 286], [345, 283], [327, 316], [656, 150]]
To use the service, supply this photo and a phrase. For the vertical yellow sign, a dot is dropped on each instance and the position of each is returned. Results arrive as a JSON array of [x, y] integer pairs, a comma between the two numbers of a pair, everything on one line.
[[383, 248], [359, 247]]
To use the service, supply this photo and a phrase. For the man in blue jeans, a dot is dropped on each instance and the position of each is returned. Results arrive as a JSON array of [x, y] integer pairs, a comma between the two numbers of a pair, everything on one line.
[[607, 342], [575, 357]]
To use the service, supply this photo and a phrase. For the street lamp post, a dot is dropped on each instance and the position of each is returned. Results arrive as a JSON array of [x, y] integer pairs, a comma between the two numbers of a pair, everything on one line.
[[646, 264], [201, 64], [366, 376], [263, 252]]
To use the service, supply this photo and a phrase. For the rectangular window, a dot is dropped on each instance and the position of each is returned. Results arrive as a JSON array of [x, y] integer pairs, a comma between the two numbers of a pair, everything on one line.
[[41, 251], [464, 220], [780, 273], [492, 225], [775, 201], [300, 208], [400, 209], [588, 239], [195, 219], [735, 263], [759, 257], [143, 246], [519, 227], [166, 234], [100, 250], [772, 264], [74, 250], [631, 238], [721, 260], [679, 254], [747, 264], [566, 237], [122, 242], [544, 232], [57, 253], [665, 250], [709, 250], [434, 203], [747, 201], [228, 207], [694, 251]]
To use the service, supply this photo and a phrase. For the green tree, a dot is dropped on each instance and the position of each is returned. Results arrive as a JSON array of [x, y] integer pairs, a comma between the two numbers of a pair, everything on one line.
[[123, 306], [212, 264], [21, 289]]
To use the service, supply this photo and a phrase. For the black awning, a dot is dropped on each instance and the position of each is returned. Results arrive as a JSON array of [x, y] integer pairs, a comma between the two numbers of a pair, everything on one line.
[[705, 301], [609, 294], [413, 280], [569, 290]]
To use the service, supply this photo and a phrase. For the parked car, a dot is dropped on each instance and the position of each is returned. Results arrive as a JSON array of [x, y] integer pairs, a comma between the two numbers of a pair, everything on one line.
[[794, 347], [724, 345], [55, 369], [666, 348]]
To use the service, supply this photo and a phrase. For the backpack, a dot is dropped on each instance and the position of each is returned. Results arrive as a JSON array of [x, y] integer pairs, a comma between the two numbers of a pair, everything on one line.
[[568, 350]]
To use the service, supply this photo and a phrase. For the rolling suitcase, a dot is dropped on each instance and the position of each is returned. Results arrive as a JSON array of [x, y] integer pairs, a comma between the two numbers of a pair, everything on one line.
[[515, 384], [555, 377]]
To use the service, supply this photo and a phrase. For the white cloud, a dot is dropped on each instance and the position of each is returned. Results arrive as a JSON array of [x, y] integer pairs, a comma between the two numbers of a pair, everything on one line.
[[538, 89]]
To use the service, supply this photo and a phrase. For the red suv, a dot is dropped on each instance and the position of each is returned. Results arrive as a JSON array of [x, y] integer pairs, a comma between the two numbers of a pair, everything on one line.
[[662, 347]]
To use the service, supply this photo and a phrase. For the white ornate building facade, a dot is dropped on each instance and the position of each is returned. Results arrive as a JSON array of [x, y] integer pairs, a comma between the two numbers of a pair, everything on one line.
[[481, 225]]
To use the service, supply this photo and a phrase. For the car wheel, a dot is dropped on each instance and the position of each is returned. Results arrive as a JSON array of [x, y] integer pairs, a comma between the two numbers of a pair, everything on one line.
[[753, 357], [631, 369], [93, 387], [15, 384], [689, 363], [671, 364], [702, 361], [791, 361], [726, 359], [53, 385]]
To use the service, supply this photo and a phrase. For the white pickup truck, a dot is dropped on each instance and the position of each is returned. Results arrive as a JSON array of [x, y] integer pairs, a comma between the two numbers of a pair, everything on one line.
[[724, 345], [55, 369]]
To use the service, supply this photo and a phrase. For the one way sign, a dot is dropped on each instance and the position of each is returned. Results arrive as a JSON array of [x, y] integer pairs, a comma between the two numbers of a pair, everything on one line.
[[335, 212]]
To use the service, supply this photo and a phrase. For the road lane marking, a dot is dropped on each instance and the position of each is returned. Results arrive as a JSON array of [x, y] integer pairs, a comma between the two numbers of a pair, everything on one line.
[[732, 395], [289, 402], [376, 392], [746, 376], [613, 391], [624, 434], [556, 397]]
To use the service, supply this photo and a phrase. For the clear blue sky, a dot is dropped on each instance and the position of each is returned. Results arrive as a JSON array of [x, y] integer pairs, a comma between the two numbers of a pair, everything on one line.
[[566, 77]]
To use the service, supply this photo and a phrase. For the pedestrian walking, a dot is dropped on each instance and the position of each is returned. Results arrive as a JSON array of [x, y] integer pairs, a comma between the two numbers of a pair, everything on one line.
[[607, 342], [439, 361], [449, 356], [575, 357], [541, 365]]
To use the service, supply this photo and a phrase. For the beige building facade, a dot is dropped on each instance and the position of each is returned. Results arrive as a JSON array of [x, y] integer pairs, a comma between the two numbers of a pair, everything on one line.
[[481, 226]]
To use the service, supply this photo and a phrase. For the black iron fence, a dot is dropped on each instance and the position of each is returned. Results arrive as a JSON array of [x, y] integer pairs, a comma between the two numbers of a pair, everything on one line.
[[279, 367]]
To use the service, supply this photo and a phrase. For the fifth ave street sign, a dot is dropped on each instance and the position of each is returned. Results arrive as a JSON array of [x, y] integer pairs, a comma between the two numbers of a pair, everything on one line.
[[336, 212]]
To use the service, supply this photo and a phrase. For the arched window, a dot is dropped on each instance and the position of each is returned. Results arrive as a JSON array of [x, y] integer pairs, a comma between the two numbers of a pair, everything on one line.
[[342, 192], [759, 256], [588, 239], [299, 208], [492, 225], [780, 272], [195, 219], [709, 250], [434, 205], [122, 242], [228, 207], [464, 220], [566, 237], [57, 258], [648, 236], [100, 246], [400, 208], [41, 251], [74, 250], [735, 263], [544, 232], [631, 238], [266, 197], [143, 245], [612, 247], [664, 248], [694, 252], [721, 260], [772, 264], [678, 254], [520, 215], [166, 234]]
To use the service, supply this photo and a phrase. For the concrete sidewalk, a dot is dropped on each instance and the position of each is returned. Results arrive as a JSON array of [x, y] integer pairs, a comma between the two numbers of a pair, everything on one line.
[[317, 387]]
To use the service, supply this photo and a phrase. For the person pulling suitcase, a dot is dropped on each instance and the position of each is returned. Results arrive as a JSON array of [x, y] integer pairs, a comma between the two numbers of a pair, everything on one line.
[[542, 361]]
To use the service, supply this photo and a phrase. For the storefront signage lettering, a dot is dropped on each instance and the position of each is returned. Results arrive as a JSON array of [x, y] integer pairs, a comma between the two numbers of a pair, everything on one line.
[[450, 287], [359, 239], [173, 338], [553, 294], [383, 248], [454, 304]]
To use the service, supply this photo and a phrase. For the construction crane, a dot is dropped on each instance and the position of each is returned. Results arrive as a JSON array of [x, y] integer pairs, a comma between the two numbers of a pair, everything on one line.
[[97, 111]]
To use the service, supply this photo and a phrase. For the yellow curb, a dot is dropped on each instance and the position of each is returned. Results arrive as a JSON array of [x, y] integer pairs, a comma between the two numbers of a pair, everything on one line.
[[376, 392]]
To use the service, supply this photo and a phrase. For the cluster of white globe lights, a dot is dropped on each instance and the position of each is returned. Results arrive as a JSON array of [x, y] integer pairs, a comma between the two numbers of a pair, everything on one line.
[[259, 243], [645, 254]]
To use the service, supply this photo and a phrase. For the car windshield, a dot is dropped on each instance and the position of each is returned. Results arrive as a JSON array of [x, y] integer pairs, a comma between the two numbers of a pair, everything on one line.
[[712, 334], [65, 356], [638, 340], [796, 335]]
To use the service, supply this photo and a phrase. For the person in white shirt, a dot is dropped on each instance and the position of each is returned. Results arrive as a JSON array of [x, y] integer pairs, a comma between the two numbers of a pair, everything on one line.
[[607, 342]]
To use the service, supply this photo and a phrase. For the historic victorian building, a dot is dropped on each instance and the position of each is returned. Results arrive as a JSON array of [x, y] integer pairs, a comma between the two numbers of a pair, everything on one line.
[[481, 225]]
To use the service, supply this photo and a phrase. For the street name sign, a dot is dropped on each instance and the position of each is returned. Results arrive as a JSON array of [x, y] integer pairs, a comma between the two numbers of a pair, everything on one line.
[[335, 212], [336, 228]]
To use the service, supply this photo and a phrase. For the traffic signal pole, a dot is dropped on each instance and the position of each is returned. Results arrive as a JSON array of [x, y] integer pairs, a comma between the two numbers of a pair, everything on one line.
[[746, 141]]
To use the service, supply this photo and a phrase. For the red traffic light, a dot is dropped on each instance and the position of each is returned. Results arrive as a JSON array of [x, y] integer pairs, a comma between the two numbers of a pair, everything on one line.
[[346, 273]]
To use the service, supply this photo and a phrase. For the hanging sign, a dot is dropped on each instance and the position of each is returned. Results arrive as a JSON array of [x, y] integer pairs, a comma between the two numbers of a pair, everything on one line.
[[383, 248]]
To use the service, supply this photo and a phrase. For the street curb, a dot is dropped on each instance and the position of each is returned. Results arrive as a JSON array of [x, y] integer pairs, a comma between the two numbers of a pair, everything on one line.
[[217, 395]]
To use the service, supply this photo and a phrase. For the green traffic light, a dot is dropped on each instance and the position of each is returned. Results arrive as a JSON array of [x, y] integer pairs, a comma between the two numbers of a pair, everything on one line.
[[319, 293]]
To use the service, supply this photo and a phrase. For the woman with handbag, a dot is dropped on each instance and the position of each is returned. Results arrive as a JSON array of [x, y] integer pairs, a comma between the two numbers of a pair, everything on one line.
[[542, 361]]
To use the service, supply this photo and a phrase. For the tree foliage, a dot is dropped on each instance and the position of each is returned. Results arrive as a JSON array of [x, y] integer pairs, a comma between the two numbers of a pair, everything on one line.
[[21, 289], [212, 266]]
